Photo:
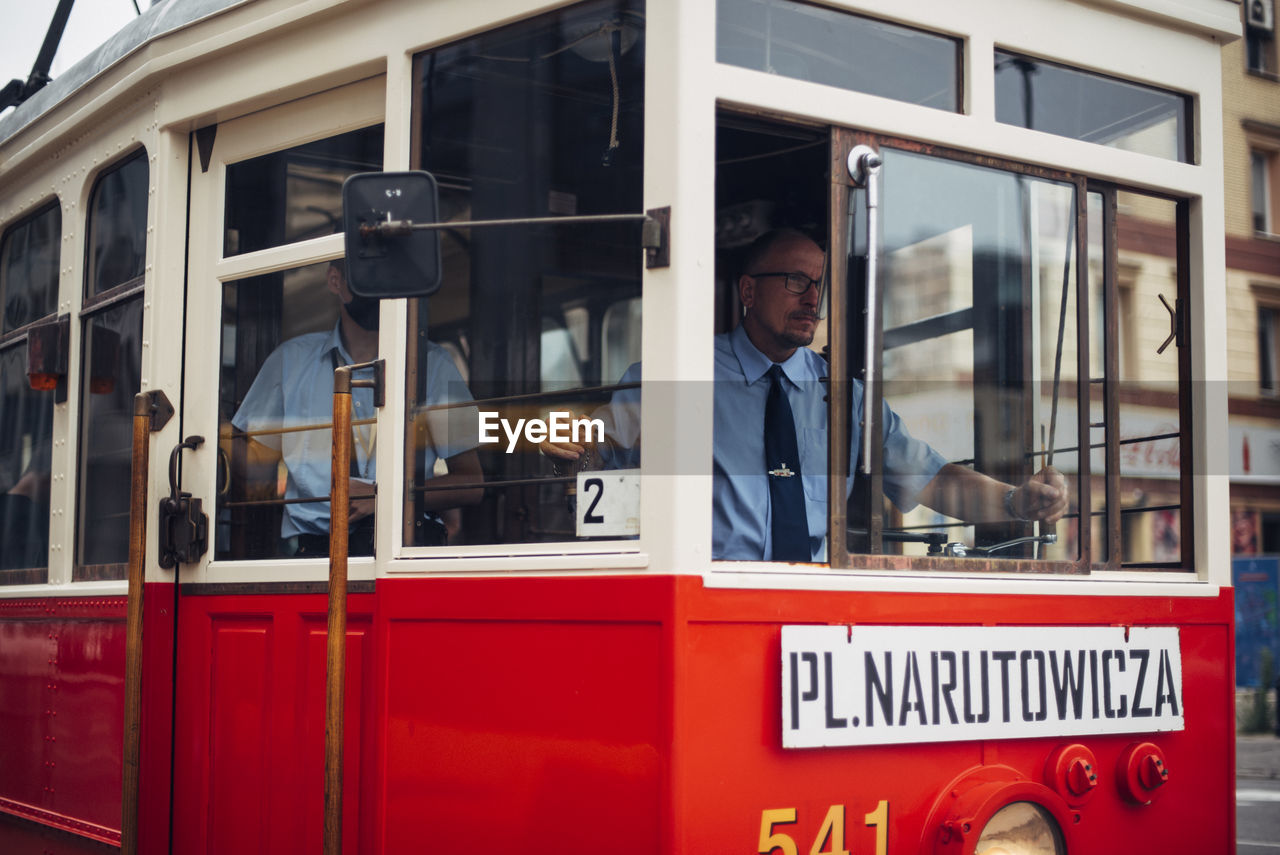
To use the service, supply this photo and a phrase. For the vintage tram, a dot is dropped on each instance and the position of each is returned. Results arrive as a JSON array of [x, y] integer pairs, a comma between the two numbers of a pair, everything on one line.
[[1022, 267]]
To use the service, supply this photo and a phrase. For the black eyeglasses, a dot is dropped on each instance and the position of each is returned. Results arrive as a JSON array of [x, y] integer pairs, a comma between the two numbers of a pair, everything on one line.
[[796, 283]]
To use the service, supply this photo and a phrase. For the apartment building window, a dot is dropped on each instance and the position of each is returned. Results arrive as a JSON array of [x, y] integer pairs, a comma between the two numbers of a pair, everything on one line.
[[1268, 318], [1261, 173], [1259, 36]]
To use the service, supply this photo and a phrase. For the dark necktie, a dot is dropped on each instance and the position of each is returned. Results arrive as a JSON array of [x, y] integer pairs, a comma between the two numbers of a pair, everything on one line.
[[789, 526]]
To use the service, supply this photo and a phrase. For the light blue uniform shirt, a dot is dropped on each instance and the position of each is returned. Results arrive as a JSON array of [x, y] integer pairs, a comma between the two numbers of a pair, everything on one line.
[[742, 513], [294, 387]]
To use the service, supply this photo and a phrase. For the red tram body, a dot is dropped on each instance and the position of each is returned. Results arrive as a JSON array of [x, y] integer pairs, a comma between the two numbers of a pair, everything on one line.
[[518, 685], [551, 714]]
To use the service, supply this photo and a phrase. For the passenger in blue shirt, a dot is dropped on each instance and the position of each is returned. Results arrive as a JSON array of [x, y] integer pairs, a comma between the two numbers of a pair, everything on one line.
[[294, 388], [780, 294]]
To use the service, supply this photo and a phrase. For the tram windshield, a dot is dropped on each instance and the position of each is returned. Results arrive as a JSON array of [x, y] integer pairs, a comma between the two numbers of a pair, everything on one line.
[[981, 349]]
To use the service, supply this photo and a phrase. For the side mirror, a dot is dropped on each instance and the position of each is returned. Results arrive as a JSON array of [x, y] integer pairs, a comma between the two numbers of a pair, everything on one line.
[[386, 256]]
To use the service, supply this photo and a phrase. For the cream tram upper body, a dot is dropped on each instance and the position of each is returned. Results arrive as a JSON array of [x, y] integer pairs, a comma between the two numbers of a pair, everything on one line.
[[202, 88]]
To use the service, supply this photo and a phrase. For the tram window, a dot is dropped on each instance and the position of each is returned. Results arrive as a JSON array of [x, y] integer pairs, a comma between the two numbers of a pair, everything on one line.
[[29, 259], [837, 48], [541, 118], [283, 334], [295, 194], [987, 368], [978, 361], [111, 370], [118, 226], [1044, 96], [29, 268], [1149, 488], [26, 438]]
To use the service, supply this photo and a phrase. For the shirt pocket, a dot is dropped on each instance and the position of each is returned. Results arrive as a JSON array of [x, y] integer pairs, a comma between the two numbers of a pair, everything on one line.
[[813, 462]]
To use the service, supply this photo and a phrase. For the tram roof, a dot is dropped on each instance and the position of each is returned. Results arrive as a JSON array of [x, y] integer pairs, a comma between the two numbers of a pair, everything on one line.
[[157, 21]]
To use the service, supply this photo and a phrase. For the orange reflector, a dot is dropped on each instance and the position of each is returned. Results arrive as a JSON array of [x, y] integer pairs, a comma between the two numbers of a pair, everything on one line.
[[43, 382]]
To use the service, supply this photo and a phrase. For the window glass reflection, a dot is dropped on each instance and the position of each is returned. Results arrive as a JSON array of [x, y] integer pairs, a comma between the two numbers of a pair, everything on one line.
[[26, 439], [111, 378], [1043, 96], [1150, 487], [295, 194], [29, 253], [979, 356], [542, 118], [283, 334], [118, 226], [837, 48]]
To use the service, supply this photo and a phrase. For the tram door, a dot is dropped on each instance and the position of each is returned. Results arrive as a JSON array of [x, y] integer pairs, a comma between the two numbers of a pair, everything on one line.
[[266, 283]]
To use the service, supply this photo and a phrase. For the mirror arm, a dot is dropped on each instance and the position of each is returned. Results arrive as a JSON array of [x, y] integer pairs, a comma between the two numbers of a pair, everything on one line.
[[655, 239]]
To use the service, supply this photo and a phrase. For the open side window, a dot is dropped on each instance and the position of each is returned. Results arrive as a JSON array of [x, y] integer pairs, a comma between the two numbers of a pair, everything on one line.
[[1022, 320]]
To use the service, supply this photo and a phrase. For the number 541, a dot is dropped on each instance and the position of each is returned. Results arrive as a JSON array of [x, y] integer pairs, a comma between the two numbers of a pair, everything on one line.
[[830, 838]]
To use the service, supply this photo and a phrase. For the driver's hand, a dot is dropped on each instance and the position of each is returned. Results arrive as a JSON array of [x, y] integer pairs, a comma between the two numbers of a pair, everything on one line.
[[569, 451], [1043, 497], [561, 450]]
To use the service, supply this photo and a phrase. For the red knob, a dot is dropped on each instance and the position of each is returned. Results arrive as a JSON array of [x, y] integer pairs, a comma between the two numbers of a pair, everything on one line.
[[1072, 772], [1142, 771]]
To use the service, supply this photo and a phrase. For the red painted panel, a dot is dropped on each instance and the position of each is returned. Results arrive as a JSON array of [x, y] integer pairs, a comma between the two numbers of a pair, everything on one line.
[[356, 735], [156, 762], [729, 731], [249, 728], [28, 650], [239, 733], [86, 724], [516, 713], [61, 715], [522, 736]]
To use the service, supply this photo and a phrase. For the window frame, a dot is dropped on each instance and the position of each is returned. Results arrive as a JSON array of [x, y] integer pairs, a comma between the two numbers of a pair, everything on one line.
[[1086, 563], [91, 307], [17, 338], [566, 554], [839, 558]]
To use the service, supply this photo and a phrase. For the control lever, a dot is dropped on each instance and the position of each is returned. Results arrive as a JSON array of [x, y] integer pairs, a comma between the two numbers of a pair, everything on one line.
[[960, 550], [937, 540]]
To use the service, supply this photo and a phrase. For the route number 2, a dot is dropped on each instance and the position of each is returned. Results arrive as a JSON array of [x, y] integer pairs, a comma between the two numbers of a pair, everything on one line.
[[609, 503], [830, 839]]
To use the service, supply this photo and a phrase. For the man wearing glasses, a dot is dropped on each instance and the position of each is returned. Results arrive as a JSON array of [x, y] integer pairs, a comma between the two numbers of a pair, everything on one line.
[[770, 444]]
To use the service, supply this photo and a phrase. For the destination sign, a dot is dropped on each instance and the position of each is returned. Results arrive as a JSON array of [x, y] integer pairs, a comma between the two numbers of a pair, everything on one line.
[[883, 685]]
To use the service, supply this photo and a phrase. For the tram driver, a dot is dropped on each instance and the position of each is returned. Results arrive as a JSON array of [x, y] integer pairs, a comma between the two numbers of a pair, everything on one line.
[[770, 408], [294, 388]]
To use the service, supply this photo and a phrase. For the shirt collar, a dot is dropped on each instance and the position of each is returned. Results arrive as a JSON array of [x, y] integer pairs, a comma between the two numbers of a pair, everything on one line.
[[334, 342], [755, 364]]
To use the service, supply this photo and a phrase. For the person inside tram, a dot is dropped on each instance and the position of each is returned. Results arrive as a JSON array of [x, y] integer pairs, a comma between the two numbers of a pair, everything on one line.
[[294, 387], [769, 400]]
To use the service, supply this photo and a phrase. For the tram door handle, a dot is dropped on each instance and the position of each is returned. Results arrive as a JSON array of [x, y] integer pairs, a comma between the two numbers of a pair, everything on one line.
[[184, 526]]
